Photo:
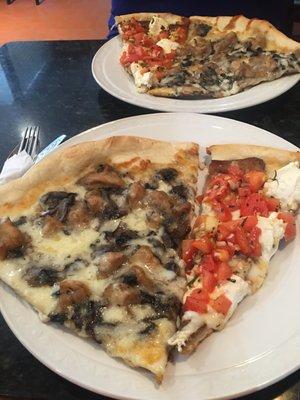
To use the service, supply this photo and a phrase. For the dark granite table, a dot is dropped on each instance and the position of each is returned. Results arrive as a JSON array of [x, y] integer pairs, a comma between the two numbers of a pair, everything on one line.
[[50, 84]]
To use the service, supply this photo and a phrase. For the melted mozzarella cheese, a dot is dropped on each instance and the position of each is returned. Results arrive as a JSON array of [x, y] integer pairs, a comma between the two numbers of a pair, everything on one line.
[[167, 45], [157, 24], [164, 187], [286, 186], [60, 248], [272, 231], [137, 220], [139, 78]]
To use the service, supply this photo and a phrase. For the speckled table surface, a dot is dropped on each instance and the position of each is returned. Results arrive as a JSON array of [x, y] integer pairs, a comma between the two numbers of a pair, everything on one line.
[[50, 84]]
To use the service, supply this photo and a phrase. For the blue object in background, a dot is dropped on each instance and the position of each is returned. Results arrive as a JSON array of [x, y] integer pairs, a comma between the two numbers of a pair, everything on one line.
[[278, 12]]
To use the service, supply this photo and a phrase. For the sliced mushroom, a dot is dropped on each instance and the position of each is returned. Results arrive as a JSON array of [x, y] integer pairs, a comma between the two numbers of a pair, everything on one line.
[[72, 292], [109, 262], [159, 201], [95, 201], [105, 178], [57, 204], [136, 194], [79, 216], [120, 294], [51, 226], [41, 276], [145, 258], [11, 238]]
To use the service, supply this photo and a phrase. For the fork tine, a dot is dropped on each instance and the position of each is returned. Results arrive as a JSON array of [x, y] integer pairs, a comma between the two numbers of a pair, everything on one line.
[[29, 139], [35, 142], [23, 142]]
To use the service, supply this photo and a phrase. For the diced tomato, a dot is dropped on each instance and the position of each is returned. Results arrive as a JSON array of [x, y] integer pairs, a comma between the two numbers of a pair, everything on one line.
[[272, 203], [231, 201], [197, 301], [188, 252], [250, 222], [180, 34], [218, 187], [224, 272], [234, 170], [244, 191], [226, 228], [290, 229], [242, 241], [255, 180], [164, 35], [222, 304], [254, 242], [203, 244], [223, 212], [199, 198], [221, 254], [209, 281], [208, 263], [254, 204]]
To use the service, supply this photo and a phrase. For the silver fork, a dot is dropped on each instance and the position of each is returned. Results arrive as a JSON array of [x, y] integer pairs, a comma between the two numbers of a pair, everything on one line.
[[29, 141]]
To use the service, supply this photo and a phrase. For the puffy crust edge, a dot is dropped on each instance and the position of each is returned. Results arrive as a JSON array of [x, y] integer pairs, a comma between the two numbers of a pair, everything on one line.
[[273, 158], [147, 16], [68, 164], [246, 27]]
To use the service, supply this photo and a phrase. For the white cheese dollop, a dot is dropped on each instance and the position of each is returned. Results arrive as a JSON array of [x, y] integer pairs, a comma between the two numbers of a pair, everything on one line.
[[235, 292], [167, 45], [286, 186], [236, 214], [195, 321], [139, 78], [272, 231], [156, 25]]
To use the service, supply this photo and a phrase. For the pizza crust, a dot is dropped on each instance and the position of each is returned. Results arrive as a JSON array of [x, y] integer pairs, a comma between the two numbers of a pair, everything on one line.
[[69, 164], [246, 28], [171, 19], [273, 158]]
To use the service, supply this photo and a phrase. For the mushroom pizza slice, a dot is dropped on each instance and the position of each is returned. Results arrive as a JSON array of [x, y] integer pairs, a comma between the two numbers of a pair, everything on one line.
[[90, 237]]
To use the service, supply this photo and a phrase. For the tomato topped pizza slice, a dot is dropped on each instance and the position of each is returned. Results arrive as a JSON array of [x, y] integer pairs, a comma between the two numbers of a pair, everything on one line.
[[150, 45], [248, 206]]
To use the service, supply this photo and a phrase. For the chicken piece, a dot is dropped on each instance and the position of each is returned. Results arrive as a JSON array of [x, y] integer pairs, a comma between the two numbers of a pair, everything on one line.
[[121, 294], [136, 194], [104, 179], [95, 201], [51, 226], [72, 292], [10, 238], [79, 216], [109, 262]]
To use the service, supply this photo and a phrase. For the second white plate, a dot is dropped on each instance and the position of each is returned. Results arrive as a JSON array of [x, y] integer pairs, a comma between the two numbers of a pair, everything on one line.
[[110, 75]]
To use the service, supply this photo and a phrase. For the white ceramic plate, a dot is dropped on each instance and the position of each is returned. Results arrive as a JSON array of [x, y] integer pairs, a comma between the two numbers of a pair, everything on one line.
[[110, 75], [261, 343]]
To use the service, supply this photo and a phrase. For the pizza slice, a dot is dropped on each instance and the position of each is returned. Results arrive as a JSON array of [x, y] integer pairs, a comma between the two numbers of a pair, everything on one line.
[[150, 44], [210, 57], [89, 237], [248, 206]]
